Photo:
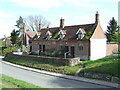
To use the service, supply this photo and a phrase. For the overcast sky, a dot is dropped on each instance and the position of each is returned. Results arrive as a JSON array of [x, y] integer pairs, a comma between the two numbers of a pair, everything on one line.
[[73, 11]]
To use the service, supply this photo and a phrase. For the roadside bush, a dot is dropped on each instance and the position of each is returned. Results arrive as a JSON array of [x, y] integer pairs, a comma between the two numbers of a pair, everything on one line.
[[55, 53], [10, 49], [0, 52]]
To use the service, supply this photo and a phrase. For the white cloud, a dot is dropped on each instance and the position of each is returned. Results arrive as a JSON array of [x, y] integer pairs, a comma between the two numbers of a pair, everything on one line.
[[76, 2], [105, 0], [40, 4], [46, 4], [86, 3], [6, 29], [83, 15], [6, 23], [6, 15], [90, 5]]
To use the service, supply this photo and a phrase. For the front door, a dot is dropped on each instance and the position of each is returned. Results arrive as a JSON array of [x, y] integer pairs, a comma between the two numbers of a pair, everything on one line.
[[40, 48], [43, 48], [30, 48], [72, 51], [66, 48]]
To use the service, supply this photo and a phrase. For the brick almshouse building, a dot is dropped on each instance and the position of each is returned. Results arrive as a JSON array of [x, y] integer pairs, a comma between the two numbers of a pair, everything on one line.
[[86, 41]]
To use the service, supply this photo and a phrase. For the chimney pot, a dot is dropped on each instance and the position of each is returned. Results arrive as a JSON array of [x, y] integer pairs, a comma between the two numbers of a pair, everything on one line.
[[62, 23], [48, 26], [24, 35], [40, 26], [24, 27], [96, 17]]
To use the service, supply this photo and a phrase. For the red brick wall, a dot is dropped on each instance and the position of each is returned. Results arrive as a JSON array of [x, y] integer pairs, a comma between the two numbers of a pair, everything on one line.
[[112, 48], [55, 44]]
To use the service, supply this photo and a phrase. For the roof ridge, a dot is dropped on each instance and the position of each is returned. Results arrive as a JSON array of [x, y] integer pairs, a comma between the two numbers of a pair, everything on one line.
[[69, 26], [80, 24]]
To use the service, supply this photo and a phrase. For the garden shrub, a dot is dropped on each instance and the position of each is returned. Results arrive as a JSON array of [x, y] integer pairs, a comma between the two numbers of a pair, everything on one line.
[[55, 53], [10, 49]]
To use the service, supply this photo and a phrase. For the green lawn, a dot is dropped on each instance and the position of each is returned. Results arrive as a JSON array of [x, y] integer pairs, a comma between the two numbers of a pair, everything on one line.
[[2, 43], [105, 65], [9, 82]]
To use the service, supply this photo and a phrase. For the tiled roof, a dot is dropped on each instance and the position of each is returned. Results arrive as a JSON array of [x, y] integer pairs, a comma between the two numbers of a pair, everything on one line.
[[70, 31], [30, 34], [81, 31], [63, 32], [98, 34]]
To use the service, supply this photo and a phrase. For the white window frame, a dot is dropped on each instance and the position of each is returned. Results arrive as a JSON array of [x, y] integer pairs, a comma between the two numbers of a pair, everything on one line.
[[80, 34], [61, 35], [48, 35]]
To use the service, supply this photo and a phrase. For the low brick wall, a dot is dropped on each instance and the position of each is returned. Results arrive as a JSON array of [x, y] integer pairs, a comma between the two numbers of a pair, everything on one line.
[[112, 48], [100, 76], [53, 60]]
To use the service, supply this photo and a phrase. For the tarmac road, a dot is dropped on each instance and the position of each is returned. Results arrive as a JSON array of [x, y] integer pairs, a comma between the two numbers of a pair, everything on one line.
[[43, 80]]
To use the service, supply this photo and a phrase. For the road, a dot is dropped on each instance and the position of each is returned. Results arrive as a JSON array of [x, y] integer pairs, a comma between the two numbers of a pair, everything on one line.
[[44, 80]]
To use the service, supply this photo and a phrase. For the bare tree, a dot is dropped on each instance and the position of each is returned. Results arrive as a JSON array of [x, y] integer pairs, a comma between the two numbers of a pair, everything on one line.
[[32, 22]]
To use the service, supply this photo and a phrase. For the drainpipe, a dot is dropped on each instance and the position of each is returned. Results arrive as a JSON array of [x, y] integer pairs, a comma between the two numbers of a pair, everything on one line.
[[65, 54]]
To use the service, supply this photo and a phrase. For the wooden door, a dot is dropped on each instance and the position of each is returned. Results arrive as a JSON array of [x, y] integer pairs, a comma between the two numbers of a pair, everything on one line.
[[66, 48], [40, 48], [30, 48], [43, 48], [72, 51]]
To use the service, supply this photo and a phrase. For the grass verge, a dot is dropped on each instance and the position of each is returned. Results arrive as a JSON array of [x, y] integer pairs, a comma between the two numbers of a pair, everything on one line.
[[109, 65], [106, 66], [9, 82]]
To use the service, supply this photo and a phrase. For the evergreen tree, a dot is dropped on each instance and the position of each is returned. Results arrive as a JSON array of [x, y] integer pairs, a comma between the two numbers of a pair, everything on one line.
[[111, 31], [118, 34], [14, 36], [20, 25]]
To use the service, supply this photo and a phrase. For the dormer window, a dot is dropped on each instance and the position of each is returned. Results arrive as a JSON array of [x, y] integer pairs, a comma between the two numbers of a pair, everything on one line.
[[80, 33], [61, 34], [48, 35], [37, 36], [80, 36]]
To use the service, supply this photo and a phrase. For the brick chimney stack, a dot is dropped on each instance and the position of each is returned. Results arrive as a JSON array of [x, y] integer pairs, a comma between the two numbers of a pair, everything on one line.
[[48, 26], [24, 27], [62, 23], [24, 35], [96, 17], [40, 27]]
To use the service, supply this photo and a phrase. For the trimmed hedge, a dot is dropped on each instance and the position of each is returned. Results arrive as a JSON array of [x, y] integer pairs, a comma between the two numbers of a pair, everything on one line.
[[49, 60], [37, 64]]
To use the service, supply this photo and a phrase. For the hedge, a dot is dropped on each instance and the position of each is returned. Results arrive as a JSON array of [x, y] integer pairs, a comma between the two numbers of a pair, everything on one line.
[[50, 60]]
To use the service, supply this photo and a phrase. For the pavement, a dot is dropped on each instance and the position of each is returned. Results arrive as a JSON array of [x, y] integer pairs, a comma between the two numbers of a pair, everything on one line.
[[99, 82]]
